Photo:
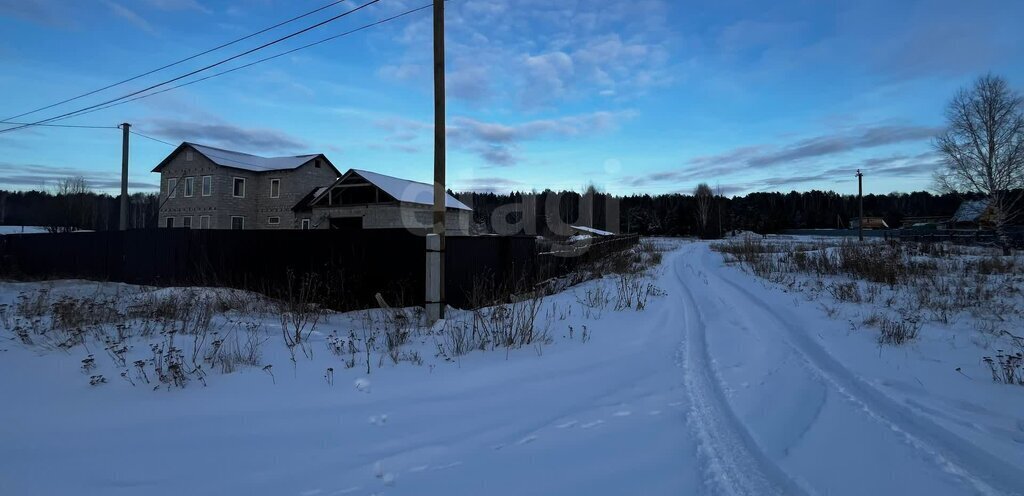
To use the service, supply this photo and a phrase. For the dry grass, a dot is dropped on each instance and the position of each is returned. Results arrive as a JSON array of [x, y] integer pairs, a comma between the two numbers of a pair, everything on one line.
[[913, 283]]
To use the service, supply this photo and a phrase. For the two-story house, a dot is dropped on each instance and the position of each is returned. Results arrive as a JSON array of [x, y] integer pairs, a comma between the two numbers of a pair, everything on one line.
[[203, 187]]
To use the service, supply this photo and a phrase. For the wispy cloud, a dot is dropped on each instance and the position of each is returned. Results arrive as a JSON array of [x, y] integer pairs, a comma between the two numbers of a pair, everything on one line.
[[804, 154], [502, 144], [130, 16], [245, 139], [41, 177], [45, 12]]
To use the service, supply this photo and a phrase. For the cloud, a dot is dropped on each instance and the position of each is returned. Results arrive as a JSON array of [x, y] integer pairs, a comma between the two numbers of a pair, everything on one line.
[[130, 16], [46, 12], [223, 134], [501, 144], [40, 177], [486, 184], [178, 5], [805, 153], [540, 53], [496, 143]]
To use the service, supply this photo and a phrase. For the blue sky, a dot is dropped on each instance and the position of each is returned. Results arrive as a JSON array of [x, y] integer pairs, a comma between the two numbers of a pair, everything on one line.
[[645, 96]]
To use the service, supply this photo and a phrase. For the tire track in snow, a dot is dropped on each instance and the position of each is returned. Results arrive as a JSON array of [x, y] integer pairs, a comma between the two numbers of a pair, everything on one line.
[[984, 472], [736, 464]]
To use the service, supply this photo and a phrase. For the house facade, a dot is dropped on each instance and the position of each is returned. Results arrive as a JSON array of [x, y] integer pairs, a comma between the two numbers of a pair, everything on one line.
[[203, 187], [361, 199]]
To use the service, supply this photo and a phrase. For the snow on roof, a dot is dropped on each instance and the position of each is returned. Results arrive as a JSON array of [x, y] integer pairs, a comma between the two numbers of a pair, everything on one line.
[[408, 191], [591, 230], [245, 161], [970, 211]]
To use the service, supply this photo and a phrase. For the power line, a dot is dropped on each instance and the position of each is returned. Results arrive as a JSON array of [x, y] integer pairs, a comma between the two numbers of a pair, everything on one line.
[[210, 66], [61, 125], [152, 138], [186, 59], [189, 83]]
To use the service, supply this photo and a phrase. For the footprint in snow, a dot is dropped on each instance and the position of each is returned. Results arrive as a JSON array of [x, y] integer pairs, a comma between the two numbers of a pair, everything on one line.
[[592, 424]]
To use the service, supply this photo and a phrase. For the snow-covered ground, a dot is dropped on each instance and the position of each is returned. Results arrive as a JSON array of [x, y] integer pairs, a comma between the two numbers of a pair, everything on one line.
[[21, 230], [723, 384]]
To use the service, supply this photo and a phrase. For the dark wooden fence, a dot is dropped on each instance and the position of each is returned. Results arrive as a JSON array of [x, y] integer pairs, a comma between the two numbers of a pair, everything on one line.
[[962, 236], [350, 267]]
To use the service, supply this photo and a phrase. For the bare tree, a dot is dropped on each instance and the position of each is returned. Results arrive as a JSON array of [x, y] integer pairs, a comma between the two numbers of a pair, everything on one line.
[[983, 148], [76, 210], [704, 197]]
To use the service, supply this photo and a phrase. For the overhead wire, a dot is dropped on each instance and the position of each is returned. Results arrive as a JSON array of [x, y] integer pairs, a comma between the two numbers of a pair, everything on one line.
[[177, 62]]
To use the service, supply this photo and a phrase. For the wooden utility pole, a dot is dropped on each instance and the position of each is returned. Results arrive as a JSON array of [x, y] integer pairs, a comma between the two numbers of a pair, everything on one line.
[[125, 127], [440, 191], [860, 200]]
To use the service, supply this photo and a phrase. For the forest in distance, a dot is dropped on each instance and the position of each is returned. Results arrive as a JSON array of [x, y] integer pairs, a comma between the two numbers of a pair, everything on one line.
[[667, 214]]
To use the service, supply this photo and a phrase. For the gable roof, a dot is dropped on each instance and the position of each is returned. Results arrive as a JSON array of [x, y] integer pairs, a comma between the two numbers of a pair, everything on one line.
[[403, 190], [970, 211], [245, 161]]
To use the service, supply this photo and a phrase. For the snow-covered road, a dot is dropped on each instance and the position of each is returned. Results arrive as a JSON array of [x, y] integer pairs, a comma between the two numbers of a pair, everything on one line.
[[794, 416], [722, 386]]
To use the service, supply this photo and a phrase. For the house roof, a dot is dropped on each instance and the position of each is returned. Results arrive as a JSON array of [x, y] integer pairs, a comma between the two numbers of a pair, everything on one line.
[[970, 211], [245, 161], [403, 190], [591, 230]]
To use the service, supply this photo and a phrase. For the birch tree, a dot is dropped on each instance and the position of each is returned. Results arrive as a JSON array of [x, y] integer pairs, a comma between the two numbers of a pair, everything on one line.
[[983, 148]]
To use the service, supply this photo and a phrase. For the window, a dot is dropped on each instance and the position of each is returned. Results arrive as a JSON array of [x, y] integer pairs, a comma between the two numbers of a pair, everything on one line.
[[168, 221], [275, 188], [316, 163], [204, 222], [172, 187], [273, 220], [190, 186], [188, 156], [238, 187], [305, 224], [186, 222], [207, 185], [237, 222]]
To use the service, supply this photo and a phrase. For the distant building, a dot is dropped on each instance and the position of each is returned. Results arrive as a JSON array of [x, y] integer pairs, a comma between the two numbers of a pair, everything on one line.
[[869, 223], [974, 214], [922, 222], [202, 187]]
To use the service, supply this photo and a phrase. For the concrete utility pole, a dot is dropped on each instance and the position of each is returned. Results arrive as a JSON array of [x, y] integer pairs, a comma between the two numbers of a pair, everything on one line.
[[435, 300], [860, 200], [125, 127]]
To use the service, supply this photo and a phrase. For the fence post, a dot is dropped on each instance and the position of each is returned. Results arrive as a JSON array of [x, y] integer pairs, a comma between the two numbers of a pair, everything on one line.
[[433, 290]]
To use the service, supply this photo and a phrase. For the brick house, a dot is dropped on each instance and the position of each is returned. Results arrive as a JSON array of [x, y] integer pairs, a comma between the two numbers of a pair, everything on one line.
[[361, 199], [203, 187], [211, 188]]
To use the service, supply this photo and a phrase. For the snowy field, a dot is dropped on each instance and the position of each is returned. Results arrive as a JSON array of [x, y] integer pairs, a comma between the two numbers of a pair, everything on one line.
[[706, 375], [21, 230]]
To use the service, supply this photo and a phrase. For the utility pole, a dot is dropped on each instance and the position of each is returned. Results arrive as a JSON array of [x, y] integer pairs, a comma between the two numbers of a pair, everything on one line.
[[124, 175], [435, 242], [860, 200]]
